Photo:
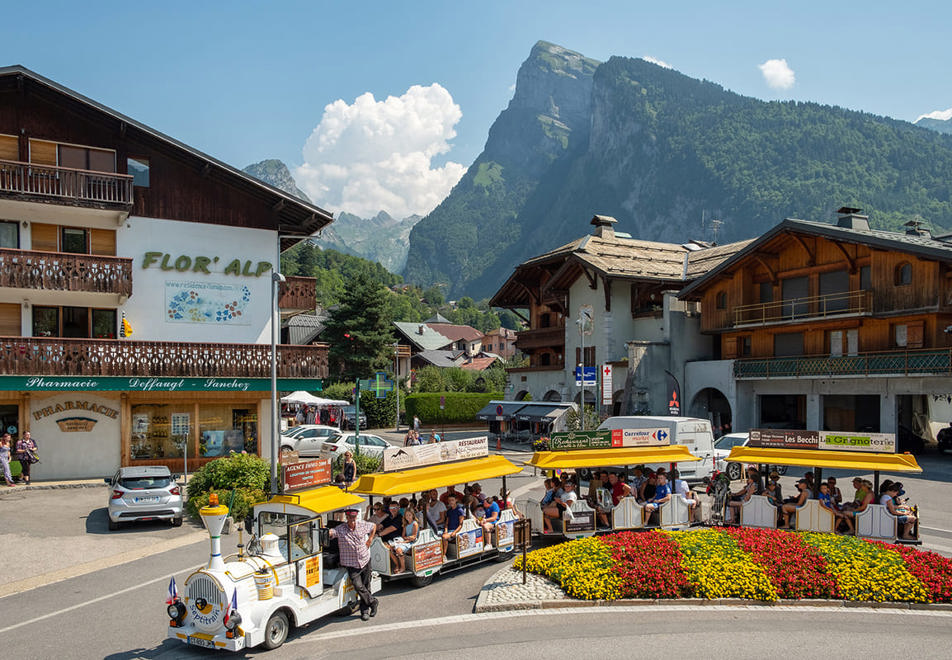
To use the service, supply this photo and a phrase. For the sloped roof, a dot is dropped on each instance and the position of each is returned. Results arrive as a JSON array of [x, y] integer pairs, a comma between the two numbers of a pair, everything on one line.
[[440, 358], [428, 339], [921, 245], [478, 363], [437, 318], [456, 332]]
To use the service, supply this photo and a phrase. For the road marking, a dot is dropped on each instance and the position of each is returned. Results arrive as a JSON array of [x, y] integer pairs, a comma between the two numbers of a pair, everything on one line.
[[45, 579], [602, 610], [96, 600]]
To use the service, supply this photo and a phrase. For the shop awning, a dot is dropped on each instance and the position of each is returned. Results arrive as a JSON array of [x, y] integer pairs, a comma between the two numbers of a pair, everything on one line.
[[434, 476], [568, 460], [319, 500], [856, 461], [492, 410], [541, 413]]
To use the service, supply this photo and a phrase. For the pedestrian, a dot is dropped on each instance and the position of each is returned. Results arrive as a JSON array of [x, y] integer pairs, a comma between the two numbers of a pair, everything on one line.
[[349, 475], [26, 454], [354, 538], [5, 458], [416, 424]]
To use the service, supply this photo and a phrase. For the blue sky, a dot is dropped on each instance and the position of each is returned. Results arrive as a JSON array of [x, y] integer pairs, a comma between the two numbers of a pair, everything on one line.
[[247, 81]]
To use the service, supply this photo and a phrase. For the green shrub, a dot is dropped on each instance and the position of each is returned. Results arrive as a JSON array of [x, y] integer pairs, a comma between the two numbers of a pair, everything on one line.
[[247, 474], [461, 407], [339, 391], [365, 464], [381, 413], [245, 499]]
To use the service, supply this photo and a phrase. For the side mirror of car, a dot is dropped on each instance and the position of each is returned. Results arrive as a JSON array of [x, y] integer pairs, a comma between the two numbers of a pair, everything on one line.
[[107, 480]]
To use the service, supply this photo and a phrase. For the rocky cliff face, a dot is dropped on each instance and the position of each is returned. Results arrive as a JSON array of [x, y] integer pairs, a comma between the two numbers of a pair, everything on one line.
[[274, 172]]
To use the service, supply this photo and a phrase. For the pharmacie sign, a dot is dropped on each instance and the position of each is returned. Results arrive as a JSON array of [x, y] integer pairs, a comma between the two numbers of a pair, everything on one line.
[[152, 384], [76, 423], [609, 439], [883, 443]]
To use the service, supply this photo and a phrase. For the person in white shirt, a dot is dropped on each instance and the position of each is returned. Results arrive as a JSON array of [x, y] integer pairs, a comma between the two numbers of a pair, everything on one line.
[[560, 506], [436, 512], [688, 496]]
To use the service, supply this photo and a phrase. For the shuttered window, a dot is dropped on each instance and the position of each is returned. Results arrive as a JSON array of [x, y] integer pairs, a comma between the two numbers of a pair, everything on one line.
[[9, 147]]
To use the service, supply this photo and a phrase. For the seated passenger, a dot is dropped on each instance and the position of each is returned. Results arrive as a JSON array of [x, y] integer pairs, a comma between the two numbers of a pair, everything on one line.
[[743, 495], [687, 495], [477, 492], [450, 491], [826, 497], [551, 486], [847, 512], [648, 488], [901, 511], [638, 478], [662, 494], [376, 514], [859, 495], [455, 514], [400, 545], [490, 518], [835, 494], [772, 493], [619, 488], [791, 507], [392, 525], [559, 507], [435, 512]]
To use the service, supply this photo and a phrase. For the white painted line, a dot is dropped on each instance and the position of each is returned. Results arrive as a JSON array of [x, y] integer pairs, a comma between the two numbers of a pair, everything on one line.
[[602, 610], [96, 600]]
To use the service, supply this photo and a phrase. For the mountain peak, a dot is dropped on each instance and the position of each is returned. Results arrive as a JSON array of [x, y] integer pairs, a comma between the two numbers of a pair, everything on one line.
[[274, 172], [561, 60]]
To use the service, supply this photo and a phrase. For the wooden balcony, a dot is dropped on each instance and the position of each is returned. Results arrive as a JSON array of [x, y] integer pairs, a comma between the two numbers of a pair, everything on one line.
[[50, 356], [527, 340], [882, 363], [59, 271], [298, 293], [60, 185], [849, 303]]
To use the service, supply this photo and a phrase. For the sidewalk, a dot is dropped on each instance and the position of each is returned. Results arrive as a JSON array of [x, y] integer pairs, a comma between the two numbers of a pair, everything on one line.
[[52, 485]]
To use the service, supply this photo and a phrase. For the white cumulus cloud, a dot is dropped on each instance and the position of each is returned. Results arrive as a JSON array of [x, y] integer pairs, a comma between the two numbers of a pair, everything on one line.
[[655, 60], [943, 115], [777, 74], [373, 155]]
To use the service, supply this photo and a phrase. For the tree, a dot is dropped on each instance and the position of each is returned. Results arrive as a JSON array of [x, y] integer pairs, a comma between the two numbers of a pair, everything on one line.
[[359, 330], [433, 296]]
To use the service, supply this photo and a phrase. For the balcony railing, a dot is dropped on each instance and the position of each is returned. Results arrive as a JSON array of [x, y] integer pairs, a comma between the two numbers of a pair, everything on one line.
[[59, 271], [540, 338], [884, 363], [796, 309], [83, 187], [47, 356], [298, 293]]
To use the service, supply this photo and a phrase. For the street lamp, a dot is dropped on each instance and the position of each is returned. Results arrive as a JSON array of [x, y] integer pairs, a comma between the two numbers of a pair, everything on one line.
[[276, 280]]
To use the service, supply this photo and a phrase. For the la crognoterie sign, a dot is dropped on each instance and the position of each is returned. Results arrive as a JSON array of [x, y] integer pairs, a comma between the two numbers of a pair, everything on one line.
[[184, 263], [881, 443]]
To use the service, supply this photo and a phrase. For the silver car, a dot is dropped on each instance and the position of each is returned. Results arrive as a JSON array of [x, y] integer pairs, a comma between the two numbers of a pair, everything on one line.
[[144, 493]]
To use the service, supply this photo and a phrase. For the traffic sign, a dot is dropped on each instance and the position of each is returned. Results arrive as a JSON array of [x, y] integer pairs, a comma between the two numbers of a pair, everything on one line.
[[591, 376]]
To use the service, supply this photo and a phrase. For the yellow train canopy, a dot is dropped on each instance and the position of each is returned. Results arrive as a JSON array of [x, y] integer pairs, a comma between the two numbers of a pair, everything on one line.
[[857, 461], [590, 458], [416, 480], [314, 500]]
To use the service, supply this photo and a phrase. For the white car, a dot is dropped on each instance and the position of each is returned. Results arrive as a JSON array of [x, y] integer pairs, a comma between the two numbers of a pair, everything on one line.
[[722, 449], [307, 437], [371, 445]]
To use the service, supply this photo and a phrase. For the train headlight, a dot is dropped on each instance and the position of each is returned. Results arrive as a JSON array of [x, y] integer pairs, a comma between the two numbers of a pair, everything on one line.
[[176, 611]]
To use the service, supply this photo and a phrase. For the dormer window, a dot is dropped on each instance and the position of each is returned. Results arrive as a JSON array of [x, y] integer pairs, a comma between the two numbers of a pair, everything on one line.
[[904, 274]]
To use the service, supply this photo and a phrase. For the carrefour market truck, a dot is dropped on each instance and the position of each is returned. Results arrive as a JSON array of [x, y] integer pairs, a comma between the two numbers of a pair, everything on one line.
[[692, 432]]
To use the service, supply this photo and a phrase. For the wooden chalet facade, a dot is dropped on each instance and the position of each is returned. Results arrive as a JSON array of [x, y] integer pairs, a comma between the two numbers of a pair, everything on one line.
[[107, 224], [836, 327]]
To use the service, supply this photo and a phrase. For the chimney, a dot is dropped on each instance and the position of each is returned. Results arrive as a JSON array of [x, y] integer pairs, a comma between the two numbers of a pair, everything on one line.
[[851, 218], [420, 330], [914, 228], [603, 226]]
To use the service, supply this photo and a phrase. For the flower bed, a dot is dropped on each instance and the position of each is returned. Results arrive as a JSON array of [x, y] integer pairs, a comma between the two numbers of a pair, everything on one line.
[[757, 564]]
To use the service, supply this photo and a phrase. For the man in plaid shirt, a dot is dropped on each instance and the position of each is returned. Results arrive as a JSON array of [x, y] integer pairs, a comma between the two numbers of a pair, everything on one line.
[[354, 539]]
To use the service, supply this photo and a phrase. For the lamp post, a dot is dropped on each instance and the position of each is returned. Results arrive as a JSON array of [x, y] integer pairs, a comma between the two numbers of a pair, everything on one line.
[[396, 378], [276, 280]]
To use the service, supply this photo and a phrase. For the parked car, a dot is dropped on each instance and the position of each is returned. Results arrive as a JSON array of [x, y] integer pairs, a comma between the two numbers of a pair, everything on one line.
[[371, 445], [149, 492], [307, 436], [349, 422], [722, 449]]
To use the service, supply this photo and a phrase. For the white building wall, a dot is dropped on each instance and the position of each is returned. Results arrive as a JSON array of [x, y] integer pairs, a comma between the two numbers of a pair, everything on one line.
[[220, 307]]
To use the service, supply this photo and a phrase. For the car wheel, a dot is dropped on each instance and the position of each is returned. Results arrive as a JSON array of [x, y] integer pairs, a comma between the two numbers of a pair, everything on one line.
[[176, 522], [781, 469], [734, 471], [113, 526], [421, 581], [276, 630]]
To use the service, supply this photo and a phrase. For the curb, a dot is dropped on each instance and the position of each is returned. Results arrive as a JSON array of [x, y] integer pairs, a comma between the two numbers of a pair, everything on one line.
[[56, 486]]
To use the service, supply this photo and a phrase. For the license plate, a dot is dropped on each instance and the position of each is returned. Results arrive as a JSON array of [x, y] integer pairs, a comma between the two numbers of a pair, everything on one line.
[[140, 500], [198, 641]]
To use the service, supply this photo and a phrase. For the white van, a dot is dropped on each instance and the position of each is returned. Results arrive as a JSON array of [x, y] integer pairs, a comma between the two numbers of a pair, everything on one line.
[[692, 432]]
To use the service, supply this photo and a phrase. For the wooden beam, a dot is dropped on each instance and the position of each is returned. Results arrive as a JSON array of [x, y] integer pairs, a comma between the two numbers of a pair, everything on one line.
[[206, 169], [607, 286], [770, 271], [811, 257], [532, 294], [592, 280], [278, 205], [846, 255], [519, 314], [122, 129]]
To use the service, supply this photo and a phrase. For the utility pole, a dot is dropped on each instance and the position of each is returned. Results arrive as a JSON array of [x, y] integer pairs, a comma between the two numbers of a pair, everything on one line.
[[396, 377]]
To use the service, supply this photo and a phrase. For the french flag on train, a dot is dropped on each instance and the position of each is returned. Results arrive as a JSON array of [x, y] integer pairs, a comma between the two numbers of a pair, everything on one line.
[[233, 606], [173, 592]]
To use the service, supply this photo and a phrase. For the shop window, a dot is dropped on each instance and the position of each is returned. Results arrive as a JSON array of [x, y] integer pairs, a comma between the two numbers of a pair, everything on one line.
[[46, 321], [851, 413], [783, 411], [227, 428], [104, 323], [74, 240], [138, 167], [160, 430], [9, 235], [903, 275]]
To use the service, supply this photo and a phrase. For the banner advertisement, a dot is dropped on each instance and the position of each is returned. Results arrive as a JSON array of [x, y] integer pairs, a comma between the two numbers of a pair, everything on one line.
[[402, 458], [427, 556], [207, 302], [307, 474], [153, 384], [470, 543], [640, 437], [561, 440], [505, 534], [674, 394], [881, 443], [583, 521]]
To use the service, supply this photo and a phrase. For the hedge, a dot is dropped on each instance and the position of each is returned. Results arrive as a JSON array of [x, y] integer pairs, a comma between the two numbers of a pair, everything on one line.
[[461, 407]]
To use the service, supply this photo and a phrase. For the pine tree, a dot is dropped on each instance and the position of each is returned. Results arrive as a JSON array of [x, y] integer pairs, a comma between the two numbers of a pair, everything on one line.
[[359, 331]]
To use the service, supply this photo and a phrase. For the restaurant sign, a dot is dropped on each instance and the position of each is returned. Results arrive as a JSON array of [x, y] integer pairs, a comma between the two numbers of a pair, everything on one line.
[[152, 384], [307, 474], [883, 443], [401, 458]]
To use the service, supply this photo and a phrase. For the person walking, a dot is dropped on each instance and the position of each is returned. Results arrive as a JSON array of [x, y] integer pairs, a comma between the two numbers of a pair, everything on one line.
[[26, 454], [354, 539], [5, 458], [349, 475], [416, 424]]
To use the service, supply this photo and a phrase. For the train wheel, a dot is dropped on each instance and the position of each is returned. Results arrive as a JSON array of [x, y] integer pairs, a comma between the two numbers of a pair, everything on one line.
[[276, 630], [420, 581]]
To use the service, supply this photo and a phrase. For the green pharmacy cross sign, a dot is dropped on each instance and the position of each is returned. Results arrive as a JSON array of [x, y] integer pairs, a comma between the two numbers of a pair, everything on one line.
[[380, 385]]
